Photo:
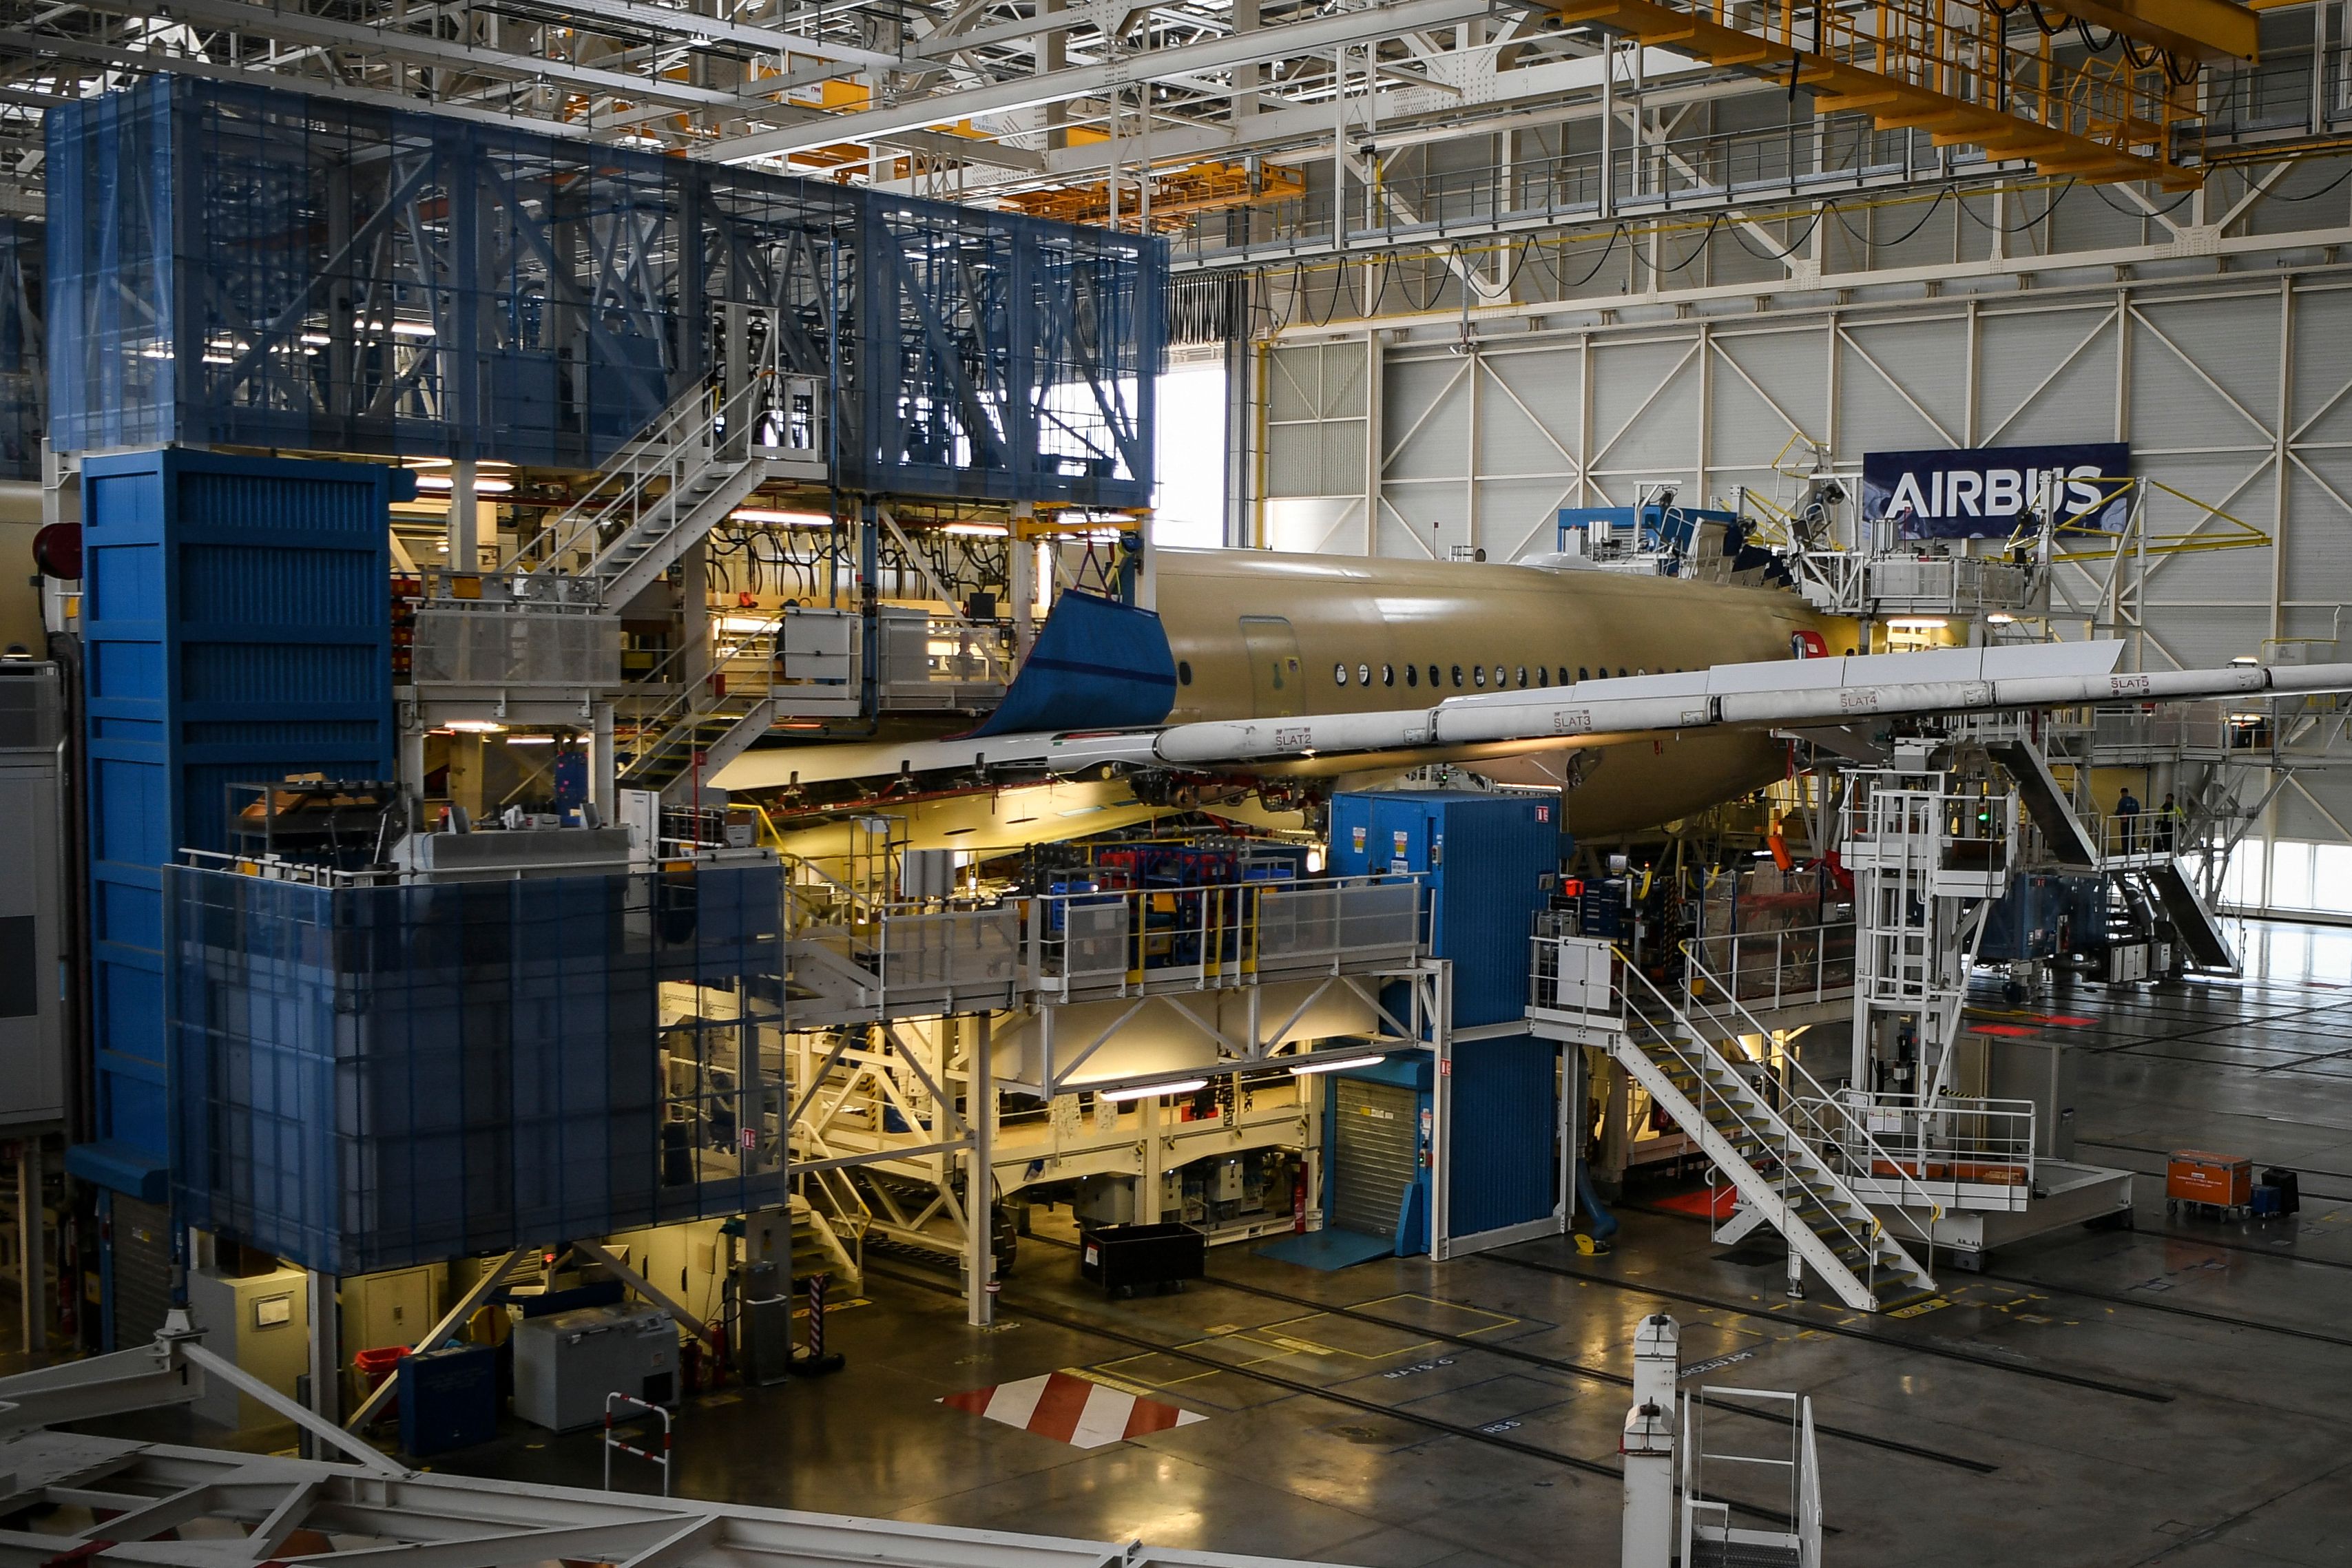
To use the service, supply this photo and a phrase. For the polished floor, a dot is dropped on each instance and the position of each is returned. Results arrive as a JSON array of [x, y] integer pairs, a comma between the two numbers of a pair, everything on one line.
[[2180, 1393]]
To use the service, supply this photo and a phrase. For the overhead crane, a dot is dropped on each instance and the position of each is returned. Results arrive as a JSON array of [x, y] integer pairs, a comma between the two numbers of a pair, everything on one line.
[[1955, 68]]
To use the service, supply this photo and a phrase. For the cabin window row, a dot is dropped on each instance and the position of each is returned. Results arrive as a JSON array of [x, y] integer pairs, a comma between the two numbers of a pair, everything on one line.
[[1474, 675]]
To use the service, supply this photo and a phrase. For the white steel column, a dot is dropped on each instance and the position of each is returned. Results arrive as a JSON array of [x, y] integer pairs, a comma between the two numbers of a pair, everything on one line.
[[465, 535], [979, 1171], [326, 1350]]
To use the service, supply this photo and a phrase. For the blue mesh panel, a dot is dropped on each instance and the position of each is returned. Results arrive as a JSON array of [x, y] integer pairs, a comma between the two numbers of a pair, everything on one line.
[[370, 1077], [246, 265]]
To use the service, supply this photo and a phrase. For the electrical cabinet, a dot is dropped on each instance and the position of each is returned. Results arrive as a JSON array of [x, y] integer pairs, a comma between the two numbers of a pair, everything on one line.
[[262, 1323]]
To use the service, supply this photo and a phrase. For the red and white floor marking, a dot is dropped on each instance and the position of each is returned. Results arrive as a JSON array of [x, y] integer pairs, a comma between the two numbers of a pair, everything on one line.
[[1072, 1410]]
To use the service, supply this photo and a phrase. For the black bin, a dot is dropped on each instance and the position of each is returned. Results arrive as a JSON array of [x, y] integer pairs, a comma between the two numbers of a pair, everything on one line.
[[1122, 1258], [448, 1399], [2290, 1189]]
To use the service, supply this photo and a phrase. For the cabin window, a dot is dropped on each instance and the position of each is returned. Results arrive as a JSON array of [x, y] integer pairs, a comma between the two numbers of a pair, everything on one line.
[[1621, 671], [1641, 672], [1363, 674], [1413, 674], [1433, 675], [1457, 677], [1340, 674], [1478, 675], [1523, 675], [1543, 675], [1183, 672], [1582, 674], [1388, 674]]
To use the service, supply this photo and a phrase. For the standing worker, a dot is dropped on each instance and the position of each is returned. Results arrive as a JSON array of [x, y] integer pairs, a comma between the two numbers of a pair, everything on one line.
[[2171, 823], [2128, 820]]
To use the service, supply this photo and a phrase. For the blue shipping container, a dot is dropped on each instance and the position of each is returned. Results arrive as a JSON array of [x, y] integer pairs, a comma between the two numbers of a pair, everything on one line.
[[237, 622], [1489, 862]]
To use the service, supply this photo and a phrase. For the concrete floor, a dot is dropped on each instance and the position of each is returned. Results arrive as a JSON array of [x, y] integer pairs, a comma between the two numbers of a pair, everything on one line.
[[2184, 1423]]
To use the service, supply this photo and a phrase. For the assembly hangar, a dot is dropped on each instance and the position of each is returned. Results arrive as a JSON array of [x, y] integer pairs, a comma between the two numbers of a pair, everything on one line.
[[992, 783]]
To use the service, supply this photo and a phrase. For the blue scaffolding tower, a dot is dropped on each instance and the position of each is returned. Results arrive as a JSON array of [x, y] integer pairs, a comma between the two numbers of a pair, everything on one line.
[[249, 266]]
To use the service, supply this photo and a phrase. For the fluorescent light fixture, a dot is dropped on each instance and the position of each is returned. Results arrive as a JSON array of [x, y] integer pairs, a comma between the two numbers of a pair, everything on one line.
[[475, 727], [1120, 1096], [1999, 619], [443, 482], [531, 740], [976, 530], [1303, 1068], [1918, 623], [788, 520]]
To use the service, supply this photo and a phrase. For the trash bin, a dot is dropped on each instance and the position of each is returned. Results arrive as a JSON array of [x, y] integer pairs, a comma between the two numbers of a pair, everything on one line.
[[1122, 1258], [373, 1366]]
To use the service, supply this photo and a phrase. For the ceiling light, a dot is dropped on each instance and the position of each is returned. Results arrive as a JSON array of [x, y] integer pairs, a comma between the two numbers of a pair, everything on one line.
[[788, 520], [1120, 1096], [531, 740], [1303, 1068], [443, 482], [475, 727]]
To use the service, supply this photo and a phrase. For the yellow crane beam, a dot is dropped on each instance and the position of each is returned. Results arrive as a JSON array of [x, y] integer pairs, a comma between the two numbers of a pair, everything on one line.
[[1946, 67]]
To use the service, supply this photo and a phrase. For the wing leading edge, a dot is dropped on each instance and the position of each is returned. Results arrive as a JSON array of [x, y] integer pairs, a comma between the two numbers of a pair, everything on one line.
[[1767, 696]]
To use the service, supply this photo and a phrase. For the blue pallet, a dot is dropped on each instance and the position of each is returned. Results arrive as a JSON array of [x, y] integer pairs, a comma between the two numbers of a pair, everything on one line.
[[199, 294], [237, 627], [367, 1078], [1488, 862]]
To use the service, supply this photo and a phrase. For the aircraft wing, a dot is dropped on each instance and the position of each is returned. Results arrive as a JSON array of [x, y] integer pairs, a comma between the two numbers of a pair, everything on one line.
[[1772, 694]]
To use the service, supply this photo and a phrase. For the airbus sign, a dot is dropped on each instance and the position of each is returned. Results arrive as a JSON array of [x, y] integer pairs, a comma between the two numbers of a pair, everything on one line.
[[1986, 492]]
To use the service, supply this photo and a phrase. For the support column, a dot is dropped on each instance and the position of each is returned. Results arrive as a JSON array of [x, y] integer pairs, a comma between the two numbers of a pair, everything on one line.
[[465, 518], [1022, 570], [1147, 1179], [31, 1249], [411, 762], [979, 1171], [694, 611], [466, 771], [603, 783], [326, 1350]]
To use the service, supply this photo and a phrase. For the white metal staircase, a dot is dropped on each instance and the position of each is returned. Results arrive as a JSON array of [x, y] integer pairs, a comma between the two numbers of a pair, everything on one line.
[[661, 495], [1778, 1156]]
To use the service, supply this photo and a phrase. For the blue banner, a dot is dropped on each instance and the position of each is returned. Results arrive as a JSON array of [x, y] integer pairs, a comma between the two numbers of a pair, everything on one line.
[[1986, 492]]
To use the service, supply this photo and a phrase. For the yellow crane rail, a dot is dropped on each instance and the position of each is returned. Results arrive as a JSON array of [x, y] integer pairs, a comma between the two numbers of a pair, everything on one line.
[[1952, 68]]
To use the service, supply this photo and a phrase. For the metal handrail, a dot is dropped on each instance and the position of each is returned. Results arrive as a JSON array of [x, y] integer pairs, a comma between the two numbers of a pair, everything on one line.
[[1799, 1085], [695, 701], [1813, 947], [686, 438], [1955, 1149]]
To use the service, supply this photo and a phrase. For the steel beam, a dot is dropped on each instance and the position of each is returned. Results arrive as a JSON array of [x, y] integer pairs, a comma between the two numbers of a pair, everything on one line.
[[1323, 34]]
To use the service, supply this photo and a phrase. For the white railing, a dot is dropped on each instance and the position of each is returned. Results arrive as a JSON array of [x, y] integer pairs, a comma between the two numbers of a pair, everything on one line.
[[885, 956], [1093, 938], [1708, 1521], [1772, 969], [1969, 1153]]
